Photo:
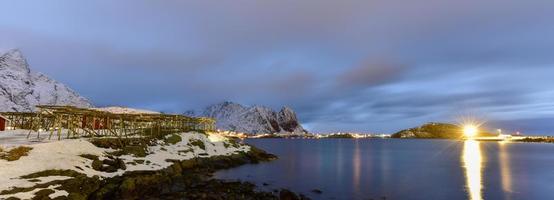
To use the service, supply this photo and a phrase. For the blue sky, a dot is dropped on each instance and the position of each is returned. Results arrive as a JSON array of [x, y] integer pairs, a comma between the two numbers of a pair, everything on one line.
[[370, 66]]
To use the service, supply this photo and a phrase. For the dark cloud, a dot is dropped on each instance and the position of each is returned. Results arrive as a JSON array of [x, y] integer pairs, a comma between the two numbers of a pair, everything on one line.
[[355, 65], [369, 74]]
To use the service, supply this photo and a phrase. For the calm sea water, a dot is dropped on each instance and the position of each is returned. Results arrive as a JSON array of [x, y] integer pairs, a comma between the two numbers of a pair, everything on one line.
[[403, 169]]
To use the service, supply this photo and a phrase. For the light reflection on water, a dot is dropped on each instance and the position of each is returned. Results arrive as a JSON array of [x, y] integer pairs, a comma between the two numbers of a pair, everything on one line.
[[472, 160], [357, 166], [505, 169], [403, 169]]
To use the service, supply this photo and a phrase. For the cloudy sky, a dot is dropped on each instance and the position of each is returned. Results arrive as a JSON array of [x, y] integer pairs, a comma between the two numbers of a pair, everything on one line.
[[369, 65]]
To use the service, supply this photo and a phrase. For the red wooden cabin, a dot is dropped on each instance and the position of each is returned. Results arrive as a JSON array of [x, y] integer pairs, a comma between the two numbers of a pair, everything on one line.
[[3, 121]]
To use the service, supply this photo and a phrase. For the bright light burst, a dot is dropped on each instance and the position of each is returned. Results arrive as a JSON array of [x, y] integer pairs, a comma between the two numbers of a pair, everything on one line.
[[470, 126], [470, 130]]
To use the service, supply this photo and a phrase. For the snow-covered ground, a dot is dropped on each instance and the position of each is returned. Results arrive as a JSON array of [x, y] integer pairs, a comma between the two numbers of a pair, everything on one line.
[[15, 138], [65, 155]]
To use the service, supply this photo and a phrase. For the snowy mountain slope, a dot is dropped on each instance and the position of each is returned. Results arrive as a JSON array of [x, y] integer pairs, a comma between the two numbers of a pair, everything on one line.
[[254, 120], [22, 89]]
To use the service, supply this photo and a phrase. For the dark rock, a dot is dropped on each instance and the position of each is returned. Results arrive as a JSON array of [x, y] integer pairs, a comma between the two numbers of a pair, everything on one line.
[[188, 164], [303, 197], [108, 165], [97, 165], [317, 191], [198, 143], [121, 164], [173, 139], [89, 156], [288, 120], [43, 194], [285, 194], [109, 169]]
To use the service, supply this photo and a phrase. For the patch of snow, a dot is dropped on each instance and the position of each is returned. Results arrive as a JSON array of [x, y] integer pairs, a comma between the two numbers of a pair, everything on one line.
[[124, 110], [31, 194], [58, 193]]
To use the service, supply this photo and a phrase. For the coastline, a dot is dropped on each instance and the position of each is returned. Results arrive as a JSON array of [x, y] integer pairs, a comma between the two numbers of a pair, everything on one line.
[[529, 139], [112, 176], [176, 166]]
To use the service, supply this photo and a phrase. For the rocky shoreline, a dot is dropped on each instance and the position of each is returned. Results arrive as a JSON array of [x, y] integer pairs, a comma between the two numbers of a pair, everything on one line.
[[188, 179]]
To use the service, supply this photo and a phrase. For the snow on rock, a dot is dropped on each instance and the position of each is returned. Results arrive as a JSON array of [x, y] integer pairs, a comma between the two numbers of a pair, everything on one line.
[[125, 110], [21, 89], [31, 194], [65, 155], [253, 120], [183, 150], [62, 154], [58, 193]]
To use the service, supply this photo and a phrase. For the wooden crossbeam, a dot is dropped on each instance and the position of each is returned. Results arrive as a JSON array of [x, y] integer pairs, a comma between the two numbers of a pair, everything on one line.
[[97, 123]]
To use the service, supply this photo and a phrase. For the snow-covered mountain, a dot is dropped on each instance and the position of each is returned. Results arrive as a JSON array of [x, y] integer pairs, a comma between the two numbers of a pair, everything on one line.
[[253, 120], [22, 89]]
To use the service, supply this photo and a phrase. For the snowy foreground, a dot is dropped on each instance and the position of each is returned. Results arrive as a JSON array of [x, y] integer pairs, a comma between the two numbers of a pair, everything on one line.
[[66, 155]]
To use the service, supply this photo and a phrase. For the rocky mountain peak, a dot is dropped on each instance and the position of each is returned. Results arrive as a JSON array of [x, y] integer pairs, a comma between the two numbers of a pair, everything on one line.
[[14, 53], [21, 89], [254, 119], [288, 120], [14, 60], [287, 111]]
